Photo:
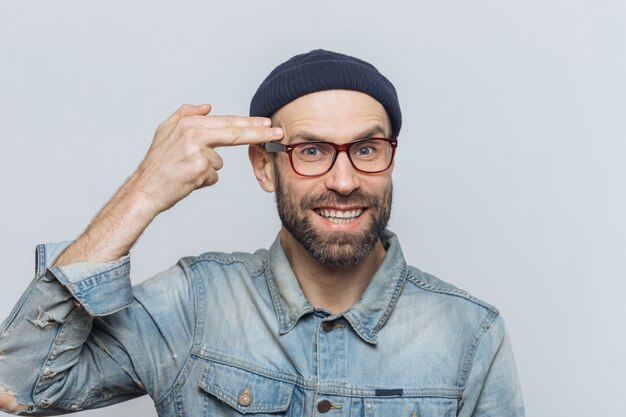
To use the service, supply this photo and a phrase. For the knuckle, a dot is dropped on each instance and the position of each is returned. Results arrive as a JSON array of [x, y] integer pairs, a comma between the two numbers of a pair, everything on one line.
[[213, 177], [219, 163], [190, 148], [190, 152], [216, 160], [185, 123], [235, 133], [181, 111], [208, 179], [165, 124], [189, 136], [228, 122], [199, 166], [185, 138]]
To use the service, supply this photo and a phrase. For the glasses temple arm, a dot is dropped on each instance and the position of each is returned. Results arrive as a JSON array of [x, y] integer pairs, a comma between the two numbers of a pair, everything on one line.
[[274, 147]]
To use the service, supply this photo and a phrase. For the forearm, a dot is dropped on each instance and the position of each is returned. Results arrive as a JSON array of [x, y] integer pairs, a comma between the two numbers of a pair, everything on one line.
[[115, 229]]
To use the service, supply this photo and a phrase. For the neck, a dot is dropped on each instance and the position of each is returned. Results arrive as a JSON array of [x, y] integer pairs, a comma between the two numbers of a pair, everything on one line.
[[334, 288]]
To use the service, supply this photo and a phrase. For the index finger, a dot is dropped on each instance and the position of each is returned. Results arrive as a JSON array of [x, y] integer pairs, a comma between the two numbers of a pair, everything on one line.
[[229, 121], [235, 136]]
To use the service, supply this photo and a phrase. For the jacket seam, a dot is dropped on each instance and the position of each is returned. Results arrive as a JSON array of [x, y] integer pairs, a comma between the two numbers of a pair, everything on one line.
[[394, 299], [40, 259], [180, 378], [115, 268], [470, 355], [312, 385], [226, 260], [40, 255], [278, 308], [452, 292], [37, 390]]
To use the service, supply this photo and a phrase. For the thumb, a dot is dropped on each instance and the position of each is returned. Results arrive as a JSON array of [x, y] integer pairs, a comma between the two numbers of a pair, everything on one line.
[[189, 110]]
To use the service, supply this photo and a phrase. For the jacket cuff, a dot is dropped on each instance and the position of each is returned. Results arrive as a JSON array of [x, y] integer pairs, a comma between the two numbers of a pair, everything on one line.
[[101, 288]]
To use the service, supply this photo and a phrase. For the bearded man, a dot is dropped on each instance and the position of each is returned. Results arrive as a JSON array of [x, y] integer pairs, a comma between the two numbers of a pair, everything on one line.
[[330, 320]]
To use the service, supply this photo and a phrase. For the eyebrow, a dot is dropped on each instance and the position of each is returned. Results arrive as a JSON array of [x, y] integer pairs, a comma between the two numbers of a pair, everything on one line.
[[369, 133]]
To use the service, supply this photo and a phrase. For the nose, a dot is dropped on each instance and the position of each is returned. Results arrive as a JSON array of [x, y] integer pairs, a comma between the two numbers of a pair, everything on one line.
[[342, 177]]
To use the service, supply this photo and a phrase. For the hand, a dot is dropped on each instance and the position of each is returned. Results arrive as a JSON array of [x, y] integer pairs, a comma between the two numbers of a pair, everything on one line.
[[182, 157]]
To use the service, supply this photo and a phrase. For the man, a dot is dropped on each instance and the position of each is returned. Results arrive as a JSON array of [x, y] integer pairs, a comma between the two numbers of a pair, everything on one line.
[[329, 320]]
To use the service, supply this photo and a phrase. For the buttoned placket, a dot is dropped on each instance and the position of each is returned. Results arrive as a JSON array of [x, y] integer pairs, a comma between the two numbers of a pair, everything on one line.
[[335, 335], [331, 364]]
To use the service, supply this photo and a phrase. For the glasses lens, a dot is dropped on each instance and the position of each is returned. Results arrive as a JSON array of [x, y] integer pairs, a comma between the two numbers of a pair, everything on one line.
[[312, 158], [371, 155], [316, 158]]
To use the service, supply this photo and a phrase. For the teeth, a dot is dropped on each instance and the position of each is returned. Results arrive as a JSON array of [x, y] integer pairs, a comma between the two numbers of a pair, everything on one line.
[[337, 216]]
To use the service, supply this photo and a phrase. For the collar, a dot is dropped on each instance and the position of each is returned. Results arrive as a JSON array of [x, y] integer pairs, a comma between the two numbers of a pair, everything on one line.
[[367, 316]]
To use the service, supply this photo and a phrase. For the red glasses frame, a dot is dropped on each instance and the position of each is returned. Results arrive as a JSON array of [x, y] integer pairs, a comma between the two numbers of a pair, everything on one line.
[[339, 147]]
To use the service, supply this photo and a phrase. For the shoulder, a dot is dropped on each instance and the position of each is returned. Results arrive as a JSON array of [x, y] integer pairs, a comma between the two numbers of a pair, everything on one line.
[[449, 316], [425, 286], [160, 291], [186, 285], [447, 305], [430, 283], [253, 263], [181, 278]]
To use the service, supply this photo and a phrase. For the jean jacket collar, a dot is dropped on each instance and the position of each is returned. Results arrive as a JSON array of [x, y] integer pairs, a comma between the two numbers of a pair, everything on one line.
[[367, 316]]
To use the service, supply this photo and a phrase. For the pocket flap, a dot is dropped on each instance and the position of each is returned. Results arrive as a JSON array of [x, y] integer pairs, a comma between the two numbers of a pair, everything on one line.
[[246, 391]]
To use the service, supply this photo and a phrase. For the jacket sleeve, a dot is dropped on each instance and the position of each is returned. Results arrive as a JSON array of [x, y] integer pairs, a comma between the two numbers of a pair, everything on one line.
[[82, 337], [492, 388]]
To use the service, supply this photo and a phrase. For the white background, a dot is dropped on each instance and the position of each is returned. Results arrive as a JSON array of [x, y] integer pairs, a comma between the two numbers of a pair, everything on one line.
[[509, 177]]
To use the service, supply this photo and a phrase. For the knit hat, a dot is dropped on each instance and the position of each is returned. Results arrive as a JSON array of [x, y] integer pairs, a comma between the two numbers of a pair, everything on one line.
[[324, 70]]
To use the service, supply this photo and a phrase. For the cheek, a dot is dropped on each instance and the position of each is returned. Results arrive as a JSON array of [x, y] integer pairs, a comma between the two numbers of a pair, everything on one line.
[[282, 168], [288, 183], [376, 184]]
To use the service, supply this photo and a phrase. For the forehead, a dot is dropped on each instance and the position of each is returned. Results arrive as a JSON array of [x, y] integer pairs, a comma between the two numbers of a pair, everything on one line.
[[333, 114]]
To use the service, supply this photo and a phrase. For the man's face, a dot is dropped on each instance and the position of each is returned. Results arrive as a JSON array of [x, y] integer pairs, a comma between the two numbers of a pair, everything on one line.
[[337, 217]]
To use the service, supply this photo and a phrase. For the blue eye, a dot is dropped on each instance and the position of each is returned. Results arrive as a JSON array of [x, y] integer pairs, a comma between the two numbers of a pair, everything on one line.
[[313, 152], [365, 150]]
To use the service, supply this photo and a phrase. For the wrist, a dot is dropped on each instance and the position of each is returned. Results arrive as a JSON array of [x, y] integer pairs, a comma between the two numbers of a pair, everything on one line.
[[139, 197]]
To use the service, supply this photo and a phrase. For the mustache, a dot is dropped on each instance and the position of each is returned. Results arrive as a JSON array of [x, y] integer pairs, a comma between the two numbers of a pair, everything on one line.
[[330, 198]]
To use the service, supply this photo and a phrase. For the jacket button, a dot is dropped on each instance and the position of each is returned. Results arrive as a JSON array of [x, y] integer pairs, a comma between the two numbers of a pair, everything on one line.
[[324, 406], [328, 326], [245, 398]]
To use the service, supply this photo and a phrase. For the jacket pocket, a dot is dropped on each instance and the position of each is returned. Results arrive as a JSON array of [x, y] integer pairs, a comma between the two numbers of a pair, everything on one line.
[[234, 391]]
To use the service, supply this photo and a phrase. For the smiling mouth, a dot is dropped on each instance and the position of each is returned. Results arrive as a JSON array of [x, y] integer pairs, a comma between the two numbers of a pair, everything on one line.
[[339, 216]]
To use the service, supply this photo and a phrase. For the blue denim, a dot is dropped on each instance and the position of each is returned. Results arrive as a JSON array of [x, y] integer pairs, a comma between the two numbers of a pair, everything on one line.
[[231, 334]]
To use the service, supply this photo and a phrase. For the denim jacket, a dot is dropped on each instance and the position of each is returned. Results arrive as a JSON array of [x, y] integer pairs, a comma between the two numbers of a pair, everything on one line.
[[231, 334]]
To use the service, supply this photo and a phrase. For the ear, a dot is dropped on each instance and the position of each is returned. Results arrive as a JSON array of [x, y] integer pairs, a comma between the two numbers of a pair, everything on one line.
[[262, 164]]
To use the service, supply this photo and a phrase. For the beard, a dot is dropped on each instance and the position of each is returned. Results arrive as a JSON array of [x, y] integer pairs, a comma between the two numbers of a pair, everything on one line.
[[333, 248]]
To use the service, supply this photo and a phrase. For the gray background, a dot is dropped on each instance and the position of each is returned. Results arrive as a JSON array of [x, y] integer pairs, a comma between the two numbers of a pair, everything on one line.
[[509, 177]]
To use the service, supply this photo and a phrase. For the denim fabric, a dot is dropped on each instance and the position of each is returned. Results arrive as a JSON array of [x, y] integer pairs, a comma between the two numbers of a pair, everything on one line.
[[231, 334]]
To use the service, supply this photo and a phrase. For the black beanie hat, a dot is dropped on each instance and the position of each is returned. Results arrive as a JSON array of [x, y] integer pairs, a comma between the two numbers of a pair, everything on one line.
[[324, 70]]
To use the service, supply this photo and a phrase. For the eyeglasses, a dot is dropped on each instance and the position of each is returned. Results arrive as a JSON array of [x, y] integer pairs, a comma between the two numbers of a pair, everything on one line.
[[313, 159]]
